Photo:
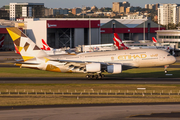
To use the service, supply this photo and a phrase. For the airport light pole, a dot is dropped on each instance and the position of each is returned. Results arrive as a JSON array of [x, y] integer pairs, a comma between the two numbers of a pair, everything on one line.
[[144, 31], [83, 10], [158, 27], [89, 31]]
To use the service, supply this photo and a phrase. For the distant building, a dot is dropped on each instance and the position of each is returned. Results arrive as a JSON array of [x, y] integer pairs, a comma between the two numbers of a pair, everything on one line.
[[168, 13], [94, 8], [130, 9], [60, 11], [126, 4], [4, 14], [150, 6], [86, 8], [169, 36], [120, 7], [157, 6], [147, 6], [76, 11], [26, 10], [6, 7], [133, 16], [48, 11], [116, 6], [178, 14]]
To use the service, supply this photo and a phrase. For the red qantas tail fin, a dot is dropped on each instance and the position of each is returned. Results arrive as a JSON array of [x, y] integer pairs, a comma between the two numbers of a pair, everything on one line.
[[17, 51], [118, 42], [154, 40], [45, 46]]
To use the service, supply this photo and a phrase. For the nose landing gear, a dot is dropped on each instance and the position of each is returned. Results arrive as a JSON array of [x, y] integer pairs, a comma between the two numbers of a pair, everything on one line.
[[165, 69]]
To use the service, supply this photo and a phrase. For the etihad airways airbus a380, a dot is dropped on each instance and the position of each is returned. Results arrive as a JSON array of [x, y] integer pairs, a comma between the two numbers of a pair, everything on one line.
[[92, 63]]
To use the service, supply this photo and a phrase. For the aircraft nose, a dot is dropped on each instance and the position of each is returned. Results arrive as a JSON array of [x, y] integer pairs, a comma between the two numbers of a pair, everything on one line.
[[172, 59]]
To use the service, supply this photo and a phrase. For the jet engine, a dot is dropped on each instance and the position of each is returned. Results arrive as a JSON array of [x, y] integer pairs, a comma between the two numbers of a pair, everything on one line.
[[115, 68], [93, 67]]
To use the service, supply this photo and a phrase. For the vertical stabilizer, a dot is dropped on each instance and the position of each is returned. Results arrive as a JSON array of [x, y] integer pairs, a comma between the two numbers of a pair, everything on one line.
[[45, 46], [154, 40], [118, 42], [26, 47]]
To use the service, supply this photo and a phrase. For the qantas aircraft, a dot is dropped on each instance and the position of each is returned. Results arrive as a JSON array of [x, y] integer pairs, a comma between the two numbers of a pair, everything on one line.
[[2, 41], [120, 45], [91, 63], [154, 40], [45, 46], [118, 42], [52, 51]]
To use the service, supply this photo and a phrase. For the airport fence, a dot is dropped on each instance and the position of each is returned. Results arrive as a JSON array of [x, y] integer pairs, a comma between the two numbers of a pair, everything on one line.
[[89, 93]]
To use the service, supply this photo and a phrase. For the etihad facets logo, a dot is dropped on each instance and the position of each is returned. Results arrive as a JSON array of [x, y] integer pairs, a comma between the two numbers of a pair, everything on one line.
[[51, 25]]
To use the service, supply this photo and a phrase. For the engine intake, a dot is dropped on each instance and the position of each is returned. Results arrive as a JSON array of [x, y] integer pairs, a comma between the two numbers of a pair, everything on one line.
[[93, 67], [115, 68]]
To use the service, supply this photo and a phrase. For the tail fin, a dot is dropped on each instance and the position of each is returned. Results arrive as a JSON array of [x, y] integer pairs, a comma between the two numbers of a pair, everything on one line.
[[2, 41], [118, 42], [45, 46], [154, 40], [27, 48]]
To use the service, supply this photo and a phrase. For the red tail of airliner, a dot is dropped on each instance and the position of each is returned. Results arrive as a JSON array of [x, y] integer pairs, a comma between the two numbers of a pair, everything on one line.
[[118, 42], [154, 40], [2, 41], [17, 51], [45, 46]]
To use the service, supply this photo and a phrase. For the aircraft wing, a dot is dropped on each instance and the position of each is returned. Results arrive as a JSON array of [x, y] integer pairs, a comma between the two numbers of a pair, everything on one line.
[[81, 64]]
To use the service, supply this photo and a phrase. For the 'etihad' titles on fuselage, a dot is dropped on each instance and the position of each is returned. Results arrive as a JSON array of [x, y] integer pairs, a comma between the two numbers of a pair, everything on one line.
[[127, 57]]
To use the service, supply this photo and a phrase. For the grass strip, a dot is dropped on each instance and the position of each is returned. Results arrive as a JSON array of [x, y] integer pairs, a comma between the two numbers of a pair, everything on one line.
[[132, 73], [49, 99]]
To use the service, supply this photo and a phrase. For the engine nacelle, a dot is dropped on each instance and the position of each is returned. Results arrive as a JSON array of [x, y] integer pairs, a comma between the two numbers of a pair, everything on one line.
[[93, 67], [115, 68]]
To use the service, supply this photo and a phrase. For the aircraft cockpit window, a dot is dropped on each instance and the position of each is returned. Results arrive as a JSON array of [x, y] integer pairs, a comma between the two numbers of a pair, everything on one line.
[[168, 54]]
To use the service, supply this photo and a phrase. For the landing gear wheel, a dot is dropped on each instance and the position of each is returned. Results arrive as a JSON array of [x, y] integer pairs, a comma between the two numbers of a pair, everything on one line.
[[88, 76], [100, 76], [103, 75], [95, 76], [91, 76]]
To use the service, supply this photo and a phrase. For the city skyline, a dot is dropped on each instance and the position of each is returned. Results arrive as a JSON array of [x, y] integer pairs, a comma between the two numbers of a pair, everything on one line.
[[80, 3]]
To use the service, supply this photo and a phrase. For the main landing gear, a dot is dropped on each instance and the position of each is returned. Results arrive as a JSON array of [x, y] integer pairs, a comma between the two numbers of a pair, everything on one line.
[[96, 76]]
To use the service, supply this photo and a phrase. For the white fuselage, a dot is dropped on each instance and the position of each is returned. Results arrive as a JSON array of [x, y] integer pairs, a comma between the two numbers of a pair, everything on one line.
[[134, 58]]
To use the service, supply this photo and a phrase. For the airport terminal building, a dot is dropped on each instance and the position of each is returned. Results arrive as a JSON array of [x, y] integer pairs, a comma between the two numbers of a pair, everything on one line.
[[169, 36], [71, 32]]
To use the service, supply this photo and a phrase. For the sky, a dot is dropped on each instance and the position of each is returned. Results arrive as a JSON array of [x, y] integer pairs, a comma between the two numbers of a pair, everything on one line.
[[89, 3]]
